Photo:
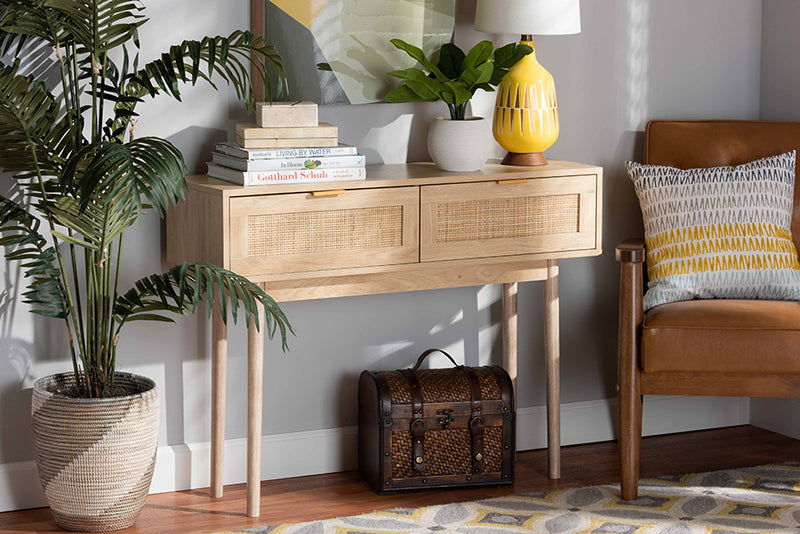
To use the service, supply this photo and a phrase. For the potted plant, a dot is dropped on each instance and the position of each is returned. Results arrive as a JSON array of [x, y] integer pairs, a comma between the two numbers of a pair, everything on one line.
[[461, 143], [82, 179]]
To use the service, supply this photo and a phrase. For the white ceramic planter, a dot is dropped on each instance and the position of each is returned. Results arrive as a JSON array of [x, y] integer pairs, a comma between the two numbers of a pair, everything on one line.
[[460, 145]]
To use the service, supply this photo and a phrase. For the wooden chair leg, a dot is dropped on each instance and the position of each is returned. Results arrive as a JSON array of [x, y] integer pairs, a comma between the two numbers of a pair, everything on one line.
[[630, 440], [630, 395]]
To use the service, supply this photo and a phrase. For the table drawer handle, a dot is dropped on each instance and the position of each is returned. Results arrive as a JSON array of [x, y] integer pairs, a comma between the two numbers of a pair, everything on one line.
[[514, 181], [330, 193]]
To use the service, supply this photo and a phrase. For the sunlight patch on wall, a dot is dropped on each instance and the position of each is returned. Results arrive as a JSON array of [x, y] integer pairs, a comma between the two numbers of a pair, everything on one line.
[[389, 141], [375, 353], [638, 62]]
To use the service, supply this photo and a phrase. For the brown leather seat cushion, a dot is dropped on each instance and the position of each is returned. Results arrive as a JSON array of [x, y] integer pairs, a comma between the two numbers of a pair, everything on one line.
[[747, 336]]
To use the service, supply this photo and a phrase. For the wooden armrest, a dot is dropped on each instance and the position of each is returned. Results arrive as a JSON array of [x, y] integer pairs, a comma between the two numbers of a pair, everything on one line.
[[630, 250], [630, 253]]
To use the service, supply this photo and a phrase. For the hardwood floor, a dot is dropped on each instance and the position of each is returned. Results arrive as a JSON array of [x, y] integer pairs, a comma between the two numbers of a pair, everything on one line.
[[341, 494]]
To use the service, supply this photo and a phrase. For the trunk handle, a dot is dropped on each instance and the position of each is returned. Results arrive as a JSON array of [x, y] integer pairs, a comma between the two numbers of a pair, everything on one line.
[[427, 353]]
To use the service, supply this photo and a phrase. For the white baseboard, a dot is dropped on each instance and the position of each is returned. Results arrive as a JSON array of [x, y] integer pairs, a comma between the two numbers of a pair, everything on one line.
[[778, 415], [182, 467]]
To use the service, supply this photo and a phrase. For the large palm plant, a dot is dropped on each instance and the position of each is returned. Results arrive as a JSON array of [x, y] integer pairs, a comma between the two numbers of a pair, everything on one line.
[[81, 171]]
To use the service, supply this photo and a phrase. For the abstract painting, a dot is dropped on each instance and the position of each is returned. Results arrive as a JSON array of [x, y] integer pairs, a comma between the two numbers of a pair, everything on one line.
[[351, 39]]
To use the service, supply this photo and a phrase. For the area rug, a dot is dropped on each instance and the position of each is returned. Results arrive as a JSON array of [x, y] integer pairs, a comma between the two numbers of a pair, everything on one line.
[[764, 499]]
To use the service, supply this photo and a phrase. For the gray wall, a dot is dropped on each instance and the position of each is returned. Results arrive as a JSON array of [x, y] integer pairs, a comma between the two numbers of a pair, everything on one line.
[[634, 60], [780, 101], [780, 46]]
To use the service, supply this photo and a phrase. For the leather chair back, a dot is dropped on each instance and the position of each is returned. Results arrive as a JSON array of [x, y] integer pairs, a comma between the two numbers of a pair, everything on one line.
[[723, 142]]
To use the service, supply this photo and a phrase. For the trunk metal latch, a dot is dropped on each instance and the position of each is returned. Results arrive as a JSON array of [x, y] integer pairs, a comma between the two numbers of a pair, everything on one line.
[[447, 417]]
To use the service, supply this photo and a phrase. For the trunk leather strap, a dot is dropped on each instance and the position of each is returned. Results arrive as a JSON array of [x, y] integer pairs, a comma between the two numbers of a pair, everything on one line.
[[418, 426], [476, 423]]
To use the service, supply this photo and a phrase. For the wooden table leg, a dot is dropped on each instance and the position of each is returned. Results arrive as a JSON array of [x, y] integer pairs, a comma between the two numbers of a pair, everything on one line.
[[551, 349], [510, 332], [255, 389], [219, 357]]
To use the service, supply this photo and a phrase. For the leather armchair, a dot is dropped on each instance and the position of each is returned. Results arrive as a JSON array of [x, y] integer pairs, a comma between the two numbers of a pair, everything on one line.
[[739, 348]]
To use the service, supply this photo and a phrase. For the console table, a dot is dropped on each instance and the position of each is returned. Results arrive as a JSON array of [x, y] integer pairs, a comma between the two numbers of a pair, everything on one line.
[[406, 227]]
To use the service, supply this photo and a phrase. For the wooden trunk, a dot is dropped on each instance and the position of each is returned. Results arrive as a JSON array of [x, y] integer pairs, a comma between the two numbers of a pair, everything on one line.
[[436, 428]]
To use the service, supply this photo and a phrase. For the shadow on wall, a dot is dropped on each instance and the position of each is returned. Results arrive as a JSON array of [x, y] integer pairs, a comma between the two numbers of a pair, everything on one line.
[[18, 345], [393, 133], [456, 333], [196, 144], [17, 366]]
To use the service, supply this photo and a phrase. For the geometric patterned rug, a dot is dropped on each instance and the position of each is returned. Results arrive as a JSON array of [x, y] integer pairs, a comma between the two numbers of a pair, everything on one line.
[[764, 499]]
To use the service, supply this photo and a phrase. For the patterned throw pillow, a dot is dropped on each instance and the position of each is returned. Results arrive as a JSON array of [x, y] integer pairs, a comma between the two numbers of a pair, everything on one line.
[[722, 232]]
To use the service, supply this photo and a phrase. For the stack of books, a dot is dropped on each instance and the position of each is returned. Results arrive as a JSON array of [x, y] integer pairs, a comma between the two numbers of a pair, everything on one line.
[[286, 145]]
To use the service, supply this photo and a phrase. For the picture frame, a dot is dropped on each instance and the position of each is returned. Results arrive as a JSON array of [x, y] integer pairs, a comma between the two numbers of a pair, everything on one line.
[[339, 51]]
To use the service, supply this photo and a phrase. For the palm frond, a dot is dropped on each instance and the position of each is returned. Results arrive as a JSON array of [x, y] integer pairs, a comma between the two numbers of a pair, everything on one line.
[[24, 243], [181, 289], [228, 56], [98, 224], [148, 167], [124, 95], [99, 26], [29, 133], [21, 20], [11, 43], [68, 151]]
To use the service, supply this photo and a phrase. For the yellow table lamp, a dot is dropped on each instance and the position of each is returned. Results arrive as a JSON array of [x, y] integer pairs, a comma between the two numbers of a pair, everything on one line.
[[526, 113]]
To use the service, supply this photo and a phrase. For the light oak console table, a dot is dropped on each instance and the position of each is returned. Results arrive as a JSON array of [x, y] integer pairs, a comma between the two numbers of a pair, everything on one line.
[[407, 227]]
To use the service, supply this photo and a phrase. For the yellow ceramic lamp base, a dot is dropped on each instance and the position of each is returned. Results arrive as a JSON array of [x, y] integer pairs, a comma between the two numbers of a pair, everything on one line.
[[526, 114]]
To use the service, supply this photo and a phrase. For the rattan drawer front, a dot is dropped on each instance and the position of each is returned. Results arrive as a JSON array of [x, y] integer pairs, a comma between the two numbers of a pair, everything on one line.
[[303, 232], [485, 219]]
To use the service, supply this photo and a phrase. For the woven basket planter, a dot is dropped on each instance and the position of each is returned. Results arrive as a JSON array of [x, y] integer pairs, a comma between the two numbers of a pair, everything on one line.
[[95, 456]]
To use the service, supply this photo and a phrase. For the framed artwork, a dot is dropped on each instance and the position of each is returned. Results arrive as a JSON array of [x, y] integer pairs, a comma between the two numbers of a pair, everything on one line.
[[338, 51]]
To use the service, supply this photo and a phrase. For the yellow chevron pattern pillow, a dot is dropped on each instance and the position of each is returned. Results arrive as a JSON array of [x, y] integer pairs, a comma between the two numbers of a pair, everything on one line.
[[722, 232]]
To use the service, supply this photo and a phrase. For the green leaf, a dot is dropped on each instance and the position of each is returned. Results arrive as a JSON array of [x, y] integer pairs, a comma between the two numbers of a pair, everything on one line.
[[74, 240], [147, 167], [212, 55], [417, 54], [402, 94], [461, 95], [98, 26], [426, 88], [474, 76], [427, 91], [149, 317], [22, 22], [449, 98], [181, 289], [23, 242], [228, 58], [30, 137], [451, 59], [408, 74], [479, 53], [507, 56]]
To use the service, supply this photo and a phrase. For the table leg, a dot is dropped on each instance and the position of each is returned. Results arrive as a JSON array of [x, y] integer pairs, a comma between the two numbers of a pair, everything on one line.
[[510, 332], [551, 349], [255, 389], [219, 357]]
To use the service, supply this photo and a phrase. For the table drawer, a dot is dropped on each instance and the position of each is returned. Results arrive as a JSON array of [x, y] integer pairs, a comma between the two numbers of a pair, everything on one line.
[[507, 217], [324, 230]]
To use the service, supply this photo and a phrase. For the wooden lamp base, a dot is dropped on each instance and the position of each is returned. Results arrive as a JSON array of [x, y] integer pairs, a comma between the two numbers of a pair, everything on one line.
[[524, 158]]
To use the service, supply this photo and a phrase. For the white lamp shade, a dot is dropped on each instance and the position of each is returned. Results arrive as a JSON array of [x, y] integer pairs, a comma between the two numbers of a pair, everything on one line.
[[529, 17]]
